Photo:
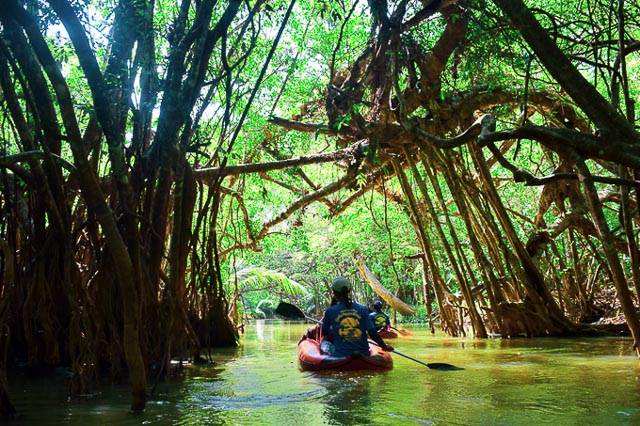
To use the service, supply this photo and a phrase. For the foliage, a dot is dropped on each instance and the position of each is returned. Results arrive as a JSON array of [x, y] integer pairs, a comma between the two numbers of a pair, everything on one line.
[[169, 168], [260, 287]]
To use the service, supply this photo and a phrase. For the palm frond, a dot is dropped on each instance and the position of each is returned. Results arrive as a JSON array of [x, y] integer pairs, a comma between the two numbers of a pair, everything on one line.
[[254, 279]]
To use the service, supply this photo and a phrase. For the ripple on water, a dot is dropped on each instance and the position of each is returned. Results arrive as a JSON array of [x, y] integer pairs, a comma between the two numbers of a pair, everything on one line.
[[507, 382], [220, 402]]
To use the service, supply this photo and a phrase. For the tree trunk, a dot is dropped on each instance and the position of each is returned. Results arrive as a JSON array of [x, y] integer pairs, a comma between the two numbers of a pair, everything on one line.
[[606, 237], [549, 315], [447, 313], [476, 320]]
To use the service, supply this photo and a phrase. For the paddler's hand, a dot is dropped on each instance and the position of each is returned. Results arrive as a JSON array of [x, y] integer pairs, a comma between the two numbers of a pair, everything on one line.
[[387, 348]]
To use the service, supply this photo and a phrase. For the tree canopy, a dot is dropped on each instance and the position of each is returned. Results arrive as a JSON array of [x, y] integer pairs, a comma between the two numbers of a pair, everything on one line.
[[161, 161]]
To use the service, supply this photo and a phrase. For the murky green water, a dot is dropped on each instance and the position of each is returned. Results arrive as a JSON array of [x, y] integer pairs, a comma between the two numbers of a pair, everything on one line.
[[504, 382]]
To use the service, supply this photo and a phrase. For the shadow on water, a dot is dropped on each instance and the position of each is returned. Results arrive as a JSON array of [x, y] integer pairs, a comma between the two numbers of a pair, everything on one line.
[[504, 382]]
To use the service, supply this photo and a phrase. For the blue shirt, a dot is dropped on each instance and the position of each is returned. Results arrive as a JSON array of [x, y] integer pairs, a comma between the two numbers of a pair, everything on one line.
[[380, 320], [349, 327]]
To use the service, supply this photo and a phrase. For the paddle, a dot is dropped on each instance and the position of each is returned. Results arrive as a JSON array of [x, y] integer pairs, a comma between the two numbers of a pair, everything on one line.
[[290, 311]]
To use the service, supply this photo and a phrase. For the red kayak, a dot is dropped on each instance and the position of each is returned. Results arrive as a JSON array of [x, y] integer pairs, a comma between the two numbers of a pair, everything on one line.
[[312, 358], [394, 333], [388, 334]]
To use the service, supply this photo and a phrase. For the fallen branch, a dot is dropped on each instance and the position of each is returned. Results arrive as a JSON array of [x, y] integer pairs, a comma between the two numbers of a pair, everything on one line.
[[397, 304]]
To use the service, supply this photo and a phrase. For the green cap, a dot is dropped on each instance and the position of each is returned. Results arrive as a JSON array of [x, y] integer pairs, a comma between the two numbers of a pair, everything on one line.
[[341, 284]]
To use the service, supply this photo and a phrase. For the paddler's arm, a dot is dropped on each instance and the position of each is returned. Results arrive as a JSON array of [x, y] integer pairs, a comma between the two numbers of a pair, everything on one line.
[[375, 336]]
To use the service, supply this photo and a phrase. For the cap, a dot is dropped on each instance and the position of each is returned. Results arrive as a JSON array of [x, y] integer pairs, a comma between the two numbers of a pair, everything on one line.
[[341, 284], [377, 303]]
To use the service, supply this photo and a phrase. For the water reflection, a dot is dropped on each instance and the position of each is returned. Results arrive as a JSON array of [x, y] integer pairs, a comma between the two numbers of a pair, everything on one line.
[[504, 382], [346, 397]]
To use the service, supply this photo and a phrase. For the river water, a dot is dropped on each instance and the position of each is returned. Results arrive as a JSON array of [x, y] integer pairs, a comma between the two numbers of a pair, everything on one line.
[[504, 382]]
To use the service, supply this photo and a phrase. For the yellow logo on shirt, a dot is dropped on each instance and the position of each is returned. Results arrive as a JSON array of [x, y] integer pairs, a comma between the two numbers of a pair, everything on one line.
[[348, 322], [380, 321]]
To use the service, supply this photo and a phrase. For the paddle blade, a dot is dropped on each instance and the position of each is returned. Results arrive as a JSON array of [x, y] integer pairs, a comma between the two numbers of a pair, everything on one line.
[[432, 365], [443, 366], [290, 311]]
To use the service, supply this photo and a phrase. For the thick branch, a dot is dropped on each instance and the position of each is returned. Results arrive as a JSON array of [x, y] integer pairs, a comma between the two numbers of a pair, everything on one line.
[[521, 175], [350, 153], [429, 10], [561, 140], [9, 160], [300, 126], [462, 139]]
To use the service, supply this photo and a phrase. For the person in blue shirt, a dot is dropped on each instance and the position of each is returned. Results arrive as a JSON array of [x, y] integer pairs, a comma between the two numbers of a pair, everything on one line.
[[349, 323], [380, 319]]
